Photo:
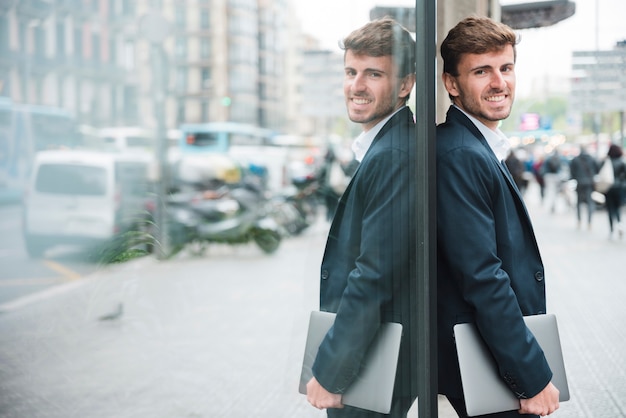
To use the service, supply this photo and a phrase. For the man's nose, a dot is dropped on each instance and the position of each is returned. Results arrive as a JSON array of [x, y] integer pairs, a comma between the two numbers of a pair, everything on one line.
[[498, 80], [358, 82]]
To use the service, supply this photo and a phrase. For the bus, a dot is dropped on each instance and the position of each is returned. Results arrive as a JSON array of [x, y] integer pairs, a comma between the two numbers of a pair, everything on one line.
[[246, 145], [221, 136], [278, 155], [24, 130]]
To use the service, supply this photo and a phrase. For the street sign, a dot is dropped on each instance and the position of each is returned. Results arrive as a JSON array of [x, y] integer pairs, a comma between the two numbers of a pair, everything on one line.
[[599, 81]]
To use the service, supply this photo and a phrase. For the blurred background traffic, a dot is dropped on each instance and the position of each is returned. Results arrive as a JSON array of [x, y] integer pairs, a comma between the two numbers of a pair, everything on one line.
[[129, 128]]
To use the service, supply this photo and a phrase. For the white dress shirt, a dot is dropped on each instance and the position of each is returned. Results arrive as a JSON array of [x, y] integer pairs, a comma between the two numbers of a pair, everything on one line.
[[497, 140], [363, 142]]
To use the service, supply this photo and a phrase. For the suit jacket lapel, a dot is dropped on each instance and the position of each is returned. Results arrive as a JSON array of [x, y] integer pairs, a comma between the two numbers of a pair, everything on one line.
[[457, 116], [395, 119]]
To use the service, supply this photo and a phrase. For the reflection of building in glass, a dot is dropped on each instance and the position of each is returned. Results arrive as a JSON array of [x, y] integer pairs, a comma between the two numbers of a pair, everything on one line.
[[323, 90], [225, 60], [74, 55]]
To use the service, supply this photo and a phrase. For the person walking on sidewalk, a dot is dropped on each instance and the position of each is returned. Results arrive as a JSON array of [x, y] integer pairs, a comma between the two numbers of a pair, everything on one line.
[[614, 196], [368, 269], [553, 177], [583, 168], [489, 268]]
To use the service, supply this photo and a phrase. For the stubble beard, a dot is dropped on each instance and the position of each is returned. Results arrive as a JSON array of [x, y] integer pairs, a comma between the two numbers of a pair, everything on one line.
[[378, 114], [474, 108]]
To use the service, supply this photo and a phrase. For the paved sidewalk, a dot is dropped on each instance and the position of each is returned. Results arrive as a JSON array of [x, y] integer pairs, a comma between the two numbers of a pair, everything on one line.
[[585, 277], [223, 335]]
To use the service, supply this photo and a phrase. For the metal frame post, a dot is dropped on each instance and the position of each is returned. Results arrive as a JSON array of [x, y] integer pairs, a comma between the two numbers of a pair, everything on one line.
[[426, 298]]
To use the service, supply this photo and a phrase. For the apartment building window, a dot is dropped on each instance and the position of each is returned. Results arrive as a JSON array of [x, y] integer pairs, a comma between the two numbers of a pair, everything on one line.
[[180, 112], [205, 19], [4, 33], [204, 111], [95, 41], [22, 41], [205, 77], [40, 43], [78, 44], [180, 48], [128, 7], [179, 17], [205, 48], [131, 109], [181, 80], [60, 40], [113, 51]]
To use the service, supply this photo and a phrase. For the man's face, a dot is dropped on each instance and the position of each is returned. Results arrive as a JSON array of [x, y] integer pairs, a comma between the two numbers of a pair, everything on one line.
[[372, 89], [485, 86]]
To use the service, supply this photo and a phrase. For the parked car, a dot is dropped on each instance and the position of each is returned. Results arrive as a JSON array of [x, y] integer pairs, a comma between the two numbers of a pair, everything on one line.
[[84, 198]]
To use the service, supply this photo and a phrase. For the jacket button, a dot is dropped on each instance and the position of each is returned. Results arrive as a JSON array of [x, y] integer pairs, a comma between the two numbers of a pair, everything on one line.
[[324, 274], [539, 276]]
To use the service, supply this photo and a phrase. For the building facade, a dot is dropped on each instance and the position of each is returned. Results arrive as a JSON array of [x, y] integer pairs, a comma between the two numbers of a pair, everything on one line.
[[75, 55], [225, 60]]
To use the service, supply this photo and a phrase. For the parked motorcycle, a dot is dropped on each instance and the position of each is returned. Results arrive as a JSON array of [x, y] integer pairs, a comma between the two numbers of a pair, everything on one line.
[[231, 214], [297, 206]]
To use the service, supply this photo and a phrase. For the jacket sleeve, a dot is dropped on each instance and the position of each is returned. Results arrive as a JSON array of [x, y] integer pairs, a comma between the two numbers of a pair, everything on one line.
[[382, 188], [472, 229]]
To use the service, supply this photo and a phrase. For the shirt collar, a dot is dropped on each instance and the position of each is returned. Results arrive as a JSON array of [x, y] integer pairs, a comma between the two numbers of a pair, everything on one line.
[[497, 140], [363, 142]]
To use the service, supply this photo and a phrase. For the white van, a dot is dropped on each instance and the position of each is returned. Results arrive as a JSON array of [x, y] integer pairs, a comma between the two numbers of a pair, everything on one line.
[[85, 198]]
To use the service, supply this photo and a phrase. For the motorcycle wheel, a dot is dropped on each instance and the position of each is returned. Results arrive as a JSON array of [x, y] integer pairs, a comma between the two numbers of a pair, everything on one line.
[[267, 240]]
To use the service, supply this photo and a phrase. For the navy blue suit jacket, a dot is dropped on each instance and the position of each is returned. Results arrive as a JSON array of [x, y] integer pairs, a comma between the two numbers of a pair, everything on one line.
[[489, 269], [368, 271]]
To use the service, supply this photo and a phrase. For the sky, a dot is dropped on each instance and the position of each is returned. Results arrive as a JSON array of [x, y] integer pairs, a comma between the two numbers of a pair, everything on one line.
[[544, 53]]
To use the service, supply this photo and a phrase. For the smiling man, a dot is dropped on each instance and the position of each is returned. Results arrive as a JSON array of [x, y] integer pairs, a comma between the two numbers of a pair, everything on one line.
[[489, 268], [368, 270]]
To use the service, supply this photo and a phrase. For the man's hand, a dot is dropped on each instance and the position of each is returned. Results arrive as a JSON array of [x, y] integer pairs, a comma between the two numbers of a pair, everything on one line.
[[320, 397], [542, 404]]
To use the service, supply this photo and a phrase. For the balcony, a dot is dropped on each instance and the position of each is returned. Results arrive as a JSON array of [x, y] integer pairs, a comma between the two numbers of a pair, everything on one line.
[[34, 9], [79, 9]]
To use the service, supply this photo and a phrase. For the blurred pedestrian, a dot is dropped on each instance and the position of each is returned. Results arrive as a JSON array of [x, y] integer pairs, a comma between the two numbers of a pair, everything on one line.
[[489, 268], [368, 267], [333, 182], [583, 168], [614, 195], [552, 177], [517, 169], [537, 169]]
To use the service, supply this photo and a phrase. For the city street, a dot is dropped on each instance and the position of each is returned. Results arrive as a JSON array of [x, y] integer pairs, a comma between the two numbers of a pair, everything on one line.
[[222, 335]]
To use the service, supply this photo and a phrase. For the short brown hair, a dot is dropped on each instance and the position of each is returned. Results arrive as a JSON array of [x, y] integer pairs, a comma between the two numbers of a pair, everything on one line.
[[475, 35], [381, 38]]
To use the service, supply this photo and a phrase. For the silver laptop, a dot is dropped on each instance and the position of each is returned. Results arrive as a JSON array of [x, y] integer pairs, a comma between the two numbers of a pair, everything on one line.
[[484, 390], [373, 388]]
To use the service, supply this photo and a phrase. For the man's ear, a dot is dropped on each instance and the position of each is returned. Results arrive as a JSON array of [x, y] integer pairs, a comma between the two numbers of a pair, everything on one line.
[[449, 82], [406, 85]]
